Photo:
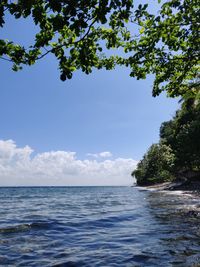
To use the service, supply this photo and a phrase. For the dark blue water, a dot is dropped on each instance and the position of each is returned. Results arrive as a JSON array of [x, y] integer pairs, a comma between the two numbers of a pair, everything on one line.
[[98, 226]]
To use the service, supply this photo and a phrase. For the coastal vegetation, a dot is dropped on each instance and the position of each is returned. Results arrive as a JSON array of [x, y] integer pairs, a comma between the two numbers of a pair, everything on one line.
[[177, 155]]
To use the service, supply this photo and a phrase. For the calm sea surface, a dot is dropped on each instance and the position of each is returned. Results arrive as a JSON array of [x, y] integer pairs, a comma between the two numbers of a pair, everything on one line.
[[98, 226]]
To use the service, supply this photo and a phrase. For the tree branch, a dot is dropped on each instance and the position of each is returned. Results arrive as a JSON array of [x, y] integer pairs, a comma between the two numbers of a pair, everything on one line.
[[6, 59]]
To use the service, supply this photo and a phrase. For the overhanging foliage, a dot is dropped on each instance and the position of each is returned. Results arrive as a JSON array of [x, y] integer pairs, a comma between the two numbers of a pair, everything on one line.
[[78, 33]]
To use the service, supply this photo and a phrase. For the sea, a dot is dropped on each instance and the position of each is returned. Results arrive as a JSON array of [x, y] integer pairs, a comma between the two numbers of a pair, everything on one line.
[[98, 226]]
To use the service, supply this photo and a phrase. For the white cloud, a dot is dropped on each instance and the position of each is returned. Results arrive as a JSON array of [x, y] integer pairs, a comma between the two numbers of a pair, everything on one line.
[[17, 167], [104, 154]]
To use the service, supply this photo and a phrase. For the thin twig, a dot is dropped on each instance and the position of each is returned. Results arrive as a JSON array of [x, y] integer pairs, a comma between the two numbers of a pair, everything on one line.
[[6, 59]]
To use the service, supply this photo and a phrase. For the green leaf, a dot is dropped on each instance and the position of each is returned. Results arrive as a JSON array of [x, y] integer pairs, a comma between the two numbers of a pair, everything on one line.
[[142, 30]]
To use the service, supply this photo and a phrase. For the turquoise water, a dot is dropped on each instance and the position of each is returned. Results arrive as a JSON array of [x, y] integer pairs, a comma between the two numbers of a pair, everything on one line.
[[97, 226]]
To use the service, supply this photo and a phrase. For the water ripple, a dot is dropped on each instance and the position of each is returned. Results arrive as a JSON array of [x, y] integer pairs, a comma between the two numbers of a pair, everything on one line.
[[98, 226]]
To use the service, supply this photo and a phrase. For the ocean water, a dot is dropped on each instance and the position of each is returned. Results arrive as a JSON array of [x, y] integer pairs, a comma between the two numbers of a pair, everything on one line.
[[98, 226]]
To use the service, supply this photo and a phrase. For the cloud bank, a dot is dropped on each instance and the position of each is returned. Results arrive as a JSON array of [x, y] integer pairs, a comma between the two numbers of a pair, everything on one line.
[[18, 167]]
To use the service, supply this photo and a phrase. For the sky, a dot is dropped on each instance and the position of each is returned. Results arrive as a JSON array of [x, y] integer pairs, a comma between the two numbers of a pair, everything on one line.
[[91, 130]]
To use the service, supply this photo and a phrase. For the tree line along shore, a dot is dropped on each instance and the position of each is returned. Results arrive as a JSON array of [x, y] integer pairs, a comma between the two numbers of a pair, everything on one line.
[[176, 157]]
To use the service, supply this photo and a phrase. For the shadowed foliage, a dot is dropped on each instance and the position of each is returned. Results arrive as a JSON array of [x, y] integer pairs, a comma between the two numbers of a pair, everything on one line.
[[79, 33], [177, 156]]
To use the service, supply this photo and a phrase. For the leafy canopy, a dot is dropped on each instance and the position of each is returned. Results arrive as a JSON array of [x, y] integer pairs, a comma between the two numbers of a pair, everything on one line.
[[156, 165], [177, 155], [182, 134], [74, 31], [79, 33]]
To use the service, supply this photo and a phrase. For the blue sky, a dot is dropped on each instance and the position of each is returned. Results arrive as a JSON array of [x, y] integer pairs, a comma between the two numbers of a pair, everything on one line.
[[104, 111]]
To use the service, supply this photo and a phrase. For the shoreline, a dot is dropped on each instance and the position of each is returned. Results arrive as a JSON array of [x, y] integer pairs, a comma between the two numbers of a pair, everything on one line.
[[192, 186]]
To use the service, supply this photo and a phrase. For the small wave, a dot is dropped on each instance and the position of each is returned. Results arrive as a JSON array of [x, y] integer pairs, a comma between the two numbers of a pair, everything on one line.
[[15, 229], [106, 222], [26, 227], [141, 258], [69, 264]]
